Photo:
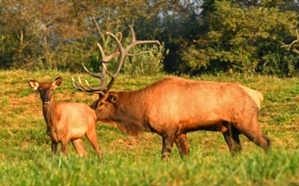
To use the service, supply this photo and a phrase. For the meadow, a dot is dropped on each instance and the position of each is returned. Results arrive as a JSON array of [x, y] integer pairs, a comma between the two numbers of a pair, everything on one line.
[[26, 159]]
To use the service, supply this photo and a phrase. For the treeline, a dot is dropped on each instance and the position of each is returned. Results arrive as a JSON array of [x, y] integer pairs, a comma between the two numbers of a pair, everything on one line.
[[198, 36]]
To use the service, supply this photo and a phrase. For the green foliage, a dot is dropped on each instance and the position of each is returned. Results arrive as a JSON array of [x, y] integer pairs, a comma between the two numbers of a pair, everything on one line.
[[147, 64], [244, 40], [71, 56], [47, 37], [7, 49], [199, 36]]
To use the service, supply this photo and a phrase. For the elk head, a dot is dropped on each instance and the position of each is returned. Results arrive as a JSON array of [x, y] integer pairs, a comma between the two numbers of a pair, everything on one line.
[[120, 52], [45, 89]]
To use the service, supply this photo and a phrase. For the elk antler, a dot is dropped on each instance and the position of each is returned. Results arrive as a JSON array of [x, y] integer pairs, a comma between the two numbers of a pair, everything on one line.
[[101, 76], [119, 51]]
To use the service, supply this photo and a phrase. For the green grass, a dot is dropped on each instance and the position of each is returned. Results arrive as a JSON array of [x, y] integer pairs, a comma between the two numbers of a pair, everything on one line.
[[25, 153]]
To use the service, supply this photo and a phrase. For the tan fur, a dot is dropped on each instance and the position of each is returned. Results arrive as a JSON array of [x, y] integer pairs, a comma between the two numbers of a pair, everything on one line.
[[172, 107], [256, 95], [66, 121]]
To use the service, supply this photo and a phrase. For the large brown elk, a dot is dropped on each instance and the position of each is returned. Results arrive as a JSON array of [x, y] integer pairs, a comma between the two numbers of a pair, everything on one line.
[[173, 106], [66, 121]]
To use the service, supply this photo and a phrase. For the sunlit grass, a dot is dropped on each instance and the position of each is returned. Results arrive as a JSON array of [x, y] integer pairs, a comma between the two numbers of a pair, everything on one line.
[[25, 153]]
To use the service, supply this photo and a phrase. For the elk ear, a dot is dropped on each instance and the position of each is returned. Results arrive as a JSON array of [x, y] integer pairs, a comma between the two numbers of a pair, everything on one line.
[[112, 98], [33, 84], [57, 82]]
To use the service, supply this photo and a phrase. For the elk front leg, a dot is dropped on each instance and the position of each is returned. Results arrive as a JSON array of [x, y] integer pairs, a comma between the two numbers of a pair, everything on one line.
[[182, 144], [63, 146], [167, 144], [54, 147]]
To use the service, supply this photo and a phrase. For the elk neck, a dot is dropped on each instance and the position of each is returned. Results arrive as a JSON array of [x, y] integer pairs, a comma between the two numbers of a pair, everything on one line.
[[48, 108]]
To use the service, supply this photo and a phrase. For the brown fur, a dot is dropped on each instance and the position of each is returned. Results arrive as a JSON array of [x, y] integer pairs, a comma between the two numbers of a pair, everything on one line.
[[172, 107], [66, 121]]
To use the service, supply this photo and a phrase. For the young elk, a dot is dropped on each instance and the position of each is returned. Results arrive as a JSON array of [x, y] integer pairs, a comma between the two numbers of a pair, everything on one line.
[[66, 121]]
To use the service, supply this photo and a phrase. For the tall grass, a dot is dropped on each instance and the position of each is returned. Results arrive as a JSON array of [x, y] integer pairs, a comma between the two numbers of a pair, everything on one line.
[[275, 168], [25, 153]]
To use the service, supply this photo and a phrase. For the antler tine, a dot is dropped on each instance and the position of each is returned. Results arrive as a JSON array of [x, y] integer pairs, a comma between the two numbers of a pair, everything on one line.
[[132, 33], [101, 75], [102, 88], [93, 74], [124, 51], [135, 42], [76, 85], [79, 86], [115, 52], [106, 70]]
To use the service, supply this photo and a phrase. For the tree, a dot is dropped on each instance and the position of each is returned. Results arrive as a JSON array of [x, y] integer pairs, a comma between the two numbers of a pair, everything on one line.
[[246, 40], [62, 34], [197, 36], [179, 24], [39, 29]]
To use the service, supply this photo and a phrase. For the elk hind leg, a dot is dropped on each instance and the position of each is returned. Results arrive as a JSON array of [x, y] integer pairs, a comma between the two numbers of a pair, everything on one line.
[[182, 144], [92, 138], [78, 145], [232, 140]]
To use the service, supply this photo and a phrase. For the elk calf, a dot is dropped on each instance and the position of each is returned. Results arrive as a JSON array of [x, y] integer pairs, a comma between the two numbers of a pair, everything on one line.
[[66, 121]]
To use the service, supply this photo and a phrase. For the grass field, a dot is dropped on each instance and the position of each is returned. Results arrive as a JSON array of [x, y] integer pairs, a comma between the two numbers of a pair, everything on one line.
[[25, 153]]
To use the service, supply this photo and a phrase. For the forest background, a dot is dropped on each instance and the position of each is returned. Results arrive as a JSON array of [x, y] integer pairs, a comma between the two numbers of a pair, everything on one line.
[[197, 36]]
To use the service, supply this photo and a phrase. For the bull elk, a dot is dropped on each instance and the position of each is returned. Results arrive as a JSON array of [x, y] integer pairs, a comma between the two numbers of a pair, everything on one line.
[[173, 106], [66, 121]]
